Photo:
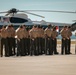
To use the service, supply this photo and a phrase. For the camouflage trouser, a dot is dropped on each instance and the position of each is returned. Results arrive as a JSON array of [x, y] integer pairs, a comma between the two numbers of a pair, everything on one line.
[[64, 46]]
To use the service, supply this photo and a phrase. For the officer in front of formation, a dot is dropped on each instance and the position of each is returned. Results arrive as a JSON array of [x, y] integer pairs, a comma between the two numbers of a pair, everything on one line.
[[48, 40]]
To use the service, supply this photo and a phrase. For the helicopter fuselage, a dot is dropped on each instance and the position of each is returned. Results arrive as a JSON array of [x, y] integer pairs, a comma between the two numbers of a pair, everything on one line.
[[16, 20]]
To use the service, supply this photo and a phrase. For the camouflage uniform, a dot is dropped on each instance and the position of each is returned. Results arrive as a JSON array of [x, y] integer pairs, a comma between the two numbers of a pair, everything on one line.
[[64, 34], [34, 41], [48, 41], [54, 40], [20, 41], [4, 41], [28, 41], [31, 42], [69, 39], [13, 40], [42, 41], [9, 38], [25, 42]]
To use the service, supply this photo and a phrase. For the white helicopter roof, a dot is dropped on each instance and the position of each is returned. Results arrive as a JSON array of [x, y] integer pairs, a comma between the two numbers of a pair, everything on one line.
[[20, 15]]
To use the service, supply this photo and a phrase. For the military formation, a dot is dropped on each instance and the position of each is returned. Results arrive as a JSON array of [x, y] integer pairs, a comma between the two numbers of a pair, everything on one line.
[[33, 41]]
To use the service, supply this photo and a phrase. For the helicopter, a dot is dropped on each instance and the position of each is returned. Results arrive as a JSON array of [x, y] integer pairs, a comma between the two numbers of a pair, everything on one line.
[[13, 17]]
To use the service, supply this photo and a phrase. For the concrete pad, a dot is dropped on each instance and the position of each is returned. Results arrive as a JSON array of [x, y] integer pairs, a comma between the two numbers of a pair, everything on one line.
[[39, 65]]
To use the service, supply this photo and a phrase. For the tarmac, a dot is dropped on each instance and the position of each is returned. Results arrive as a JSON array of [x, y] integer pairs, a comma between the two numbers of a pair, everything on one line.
[[40, 65]]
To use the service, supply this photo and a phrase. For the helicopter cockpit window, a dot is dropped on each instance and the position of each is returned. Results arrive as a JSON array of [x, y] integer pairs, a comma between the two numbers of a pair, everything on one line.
[[17, 20]]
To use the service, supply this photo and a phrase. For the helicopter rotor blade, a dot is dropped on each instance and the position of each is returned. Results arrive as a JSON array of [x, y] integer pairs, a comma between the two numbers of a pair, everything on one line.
[[74, 12], [32, 14], [4, 12], [14, 10], [74, 20], [7, 14]]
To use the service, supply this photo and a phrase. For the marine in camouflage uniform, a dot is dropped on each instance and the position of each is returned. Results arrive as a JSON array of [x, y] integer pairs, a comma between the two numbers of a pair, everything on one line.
[[33, 42], [64, 35], [54, 40], [9, 38], [13, 40], [20, 41], [25, 40], [48, 40], [69, 39], [4, 41]]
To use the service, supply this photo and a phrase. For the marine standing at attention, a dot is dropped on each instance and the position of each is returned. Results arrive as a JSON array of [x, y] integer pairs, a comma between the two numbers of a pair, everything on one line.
[[48, 40], [54, 40], [20, 41], [64, 35], [4, 41], [69, 39]]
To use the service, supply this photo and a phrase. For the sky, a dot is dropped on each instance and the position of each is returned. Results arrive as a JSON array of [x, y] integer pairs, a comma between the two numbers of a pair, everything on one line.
[[61, 5]]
